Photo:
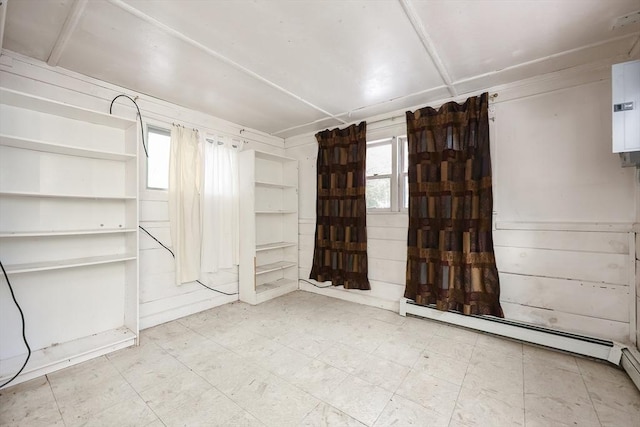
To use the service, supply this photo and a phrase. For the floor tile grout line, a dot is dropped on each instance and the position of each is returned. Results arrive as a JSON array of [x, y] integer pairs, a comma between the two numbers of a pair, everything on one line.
[[461, 384], [586, 387], [55, 399]]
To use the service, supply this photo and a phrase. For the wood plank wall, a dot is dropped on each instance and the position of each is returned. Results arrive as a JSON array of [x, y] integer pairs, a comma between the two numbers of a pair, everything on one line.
[[564, 213]]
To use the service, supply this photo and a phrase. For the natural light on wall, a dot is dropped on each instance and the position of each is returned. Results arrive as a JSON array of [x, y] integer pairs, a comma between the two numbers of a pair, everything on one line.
[[387, 186], [159, 143]]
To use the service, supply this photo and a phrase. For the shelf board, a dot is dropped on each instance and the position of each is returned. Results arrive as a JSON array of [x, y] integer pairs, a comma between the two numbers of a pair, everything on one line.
[[275, 266], [50, 147], [65, 354], [276, 245], [265, 287], [66, 232], [67, 263], [273, 157], [275, 212], [48, 106], [63, 196], [273, 185]]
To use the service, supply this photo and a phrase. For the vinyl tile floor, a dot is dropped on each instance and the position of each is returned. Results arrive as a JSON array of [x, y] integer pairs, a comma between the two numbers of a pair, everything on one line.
[[309, 360]]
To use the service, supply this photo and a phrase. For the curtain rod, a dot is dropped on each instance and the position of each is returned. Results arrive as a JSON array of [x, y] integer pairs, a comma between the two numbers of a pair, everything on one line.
[[492, 98]]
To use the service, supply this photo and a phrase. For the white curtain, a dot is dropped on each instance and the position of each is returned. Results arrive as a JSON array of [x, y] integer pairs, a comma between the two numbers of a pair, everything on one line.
[[185, 171], [221, 205]]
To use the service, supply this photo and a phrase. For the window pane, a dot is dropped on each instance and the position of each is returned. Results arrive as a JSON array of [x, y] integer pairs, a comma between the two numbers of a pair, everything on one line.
[[158, 144], [405, 154], [406, 192], [379, 193], [379, 160]]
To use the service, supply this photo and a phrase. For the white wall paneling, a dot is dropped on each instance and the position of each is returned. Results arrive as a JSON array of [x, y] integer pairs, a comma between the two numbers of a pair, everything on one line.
[[160, 300], [564, 210]]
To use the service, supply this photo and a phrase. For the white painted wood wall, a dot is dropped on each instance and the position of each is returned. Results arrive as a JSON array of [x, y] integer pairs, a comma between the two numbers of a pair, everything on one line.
[[160, 299], [564, 210]]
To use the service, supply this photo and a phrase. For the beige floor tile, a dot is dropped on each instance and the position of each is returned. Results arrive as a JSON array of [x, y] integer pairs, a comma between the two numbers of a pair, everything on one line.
[[343, 357], [475, 408], [228, 372], [308, 344], [443, 367], [433, 393], [29, 404], [319, 379], [614, 417], [325, 415], [571, 411], [401, 412], [621, 395], [381, 372], [459, 350], [600, 370], [174, 392], [498, 348], [405, 355], [210, 408], [360, 399], [144, 366], [166, 332], [128, 413], [548, 358], [466, 336], [554, 382], [274, 401], [284, 362]]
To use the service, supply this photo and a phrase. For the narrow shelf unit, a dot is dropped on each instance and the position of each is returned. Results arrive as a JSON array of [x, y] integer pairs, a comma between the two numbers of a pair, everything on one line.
[[269, 218], [68, 233]]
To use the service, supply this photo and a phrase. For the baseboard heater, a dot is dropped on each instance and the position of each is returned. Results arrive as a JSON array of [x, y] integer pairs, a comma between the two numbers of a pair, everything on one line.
[[587, 346]]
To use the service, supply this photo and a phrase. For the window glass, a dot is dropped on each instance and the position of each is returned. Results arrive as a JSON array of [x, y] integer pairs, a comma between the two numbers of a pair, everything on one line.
[[379, 159], [378, 193], [158, 145]]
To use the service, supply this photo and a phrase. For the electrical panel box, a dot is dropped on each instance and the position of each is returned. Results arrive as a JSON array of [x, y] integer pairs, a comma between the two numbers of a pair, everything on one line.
[[625, 81]]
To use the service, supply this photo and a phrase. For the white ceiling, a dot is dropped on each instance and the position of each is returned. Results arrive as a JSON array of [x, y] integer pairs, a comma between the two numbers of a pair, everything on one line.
[[290, 67]]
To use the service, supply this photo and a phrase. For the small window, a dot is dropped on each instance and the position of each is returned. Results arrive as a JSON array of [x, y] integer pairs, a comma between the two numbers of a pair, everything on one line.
[[379, 173], [387, 177], [159, 145]]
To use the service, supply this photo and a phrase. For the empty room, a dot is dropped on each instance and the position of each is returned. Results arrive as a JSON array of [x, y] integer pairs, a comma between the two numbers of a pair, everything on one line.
[[320, 213]]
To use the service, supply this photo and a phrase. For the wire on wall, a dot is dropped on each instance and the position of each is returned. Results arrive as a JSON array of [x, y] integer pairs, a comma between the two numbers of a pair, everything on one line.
[[174, 257], [317, 286], [24, 337], [146, 153]]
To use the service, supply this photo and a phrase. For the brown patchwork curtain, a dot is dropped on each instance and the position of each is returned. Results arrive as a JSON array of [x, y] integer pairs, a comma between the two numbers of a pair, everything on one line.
[[450, 259], [340, 253]]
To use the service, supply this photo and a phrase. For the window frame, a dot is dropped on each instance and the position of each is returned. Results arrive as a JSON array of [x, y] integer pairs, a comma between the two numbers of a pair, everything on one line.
[[150, 128], [396, 176]]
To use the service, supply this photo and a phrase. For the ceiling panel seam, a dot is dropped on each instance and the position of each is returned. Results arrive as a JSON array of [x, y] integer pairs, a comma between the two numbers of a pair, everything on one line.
[[135, 12], [635, 48], [537, 60], [428, 44], [65, 33]]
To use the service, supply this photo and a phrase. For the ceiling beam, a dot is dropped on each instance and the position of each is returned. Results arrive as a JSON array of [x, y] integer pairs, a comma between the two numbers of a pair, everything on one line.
[[428, 45], [139, 14], [69, 26], [3, 18]]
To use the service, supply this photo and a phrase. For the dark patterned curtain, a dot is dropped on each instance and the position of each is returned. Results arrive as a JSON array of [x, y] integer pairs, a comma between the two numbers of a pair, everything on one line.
[[450, 259], [340, 253]]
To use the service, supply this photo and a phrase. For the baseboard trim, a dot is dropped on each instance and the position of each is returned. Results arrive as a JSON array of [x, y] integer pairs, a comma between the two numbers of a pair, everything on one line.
[[610, 351], [630, 362]]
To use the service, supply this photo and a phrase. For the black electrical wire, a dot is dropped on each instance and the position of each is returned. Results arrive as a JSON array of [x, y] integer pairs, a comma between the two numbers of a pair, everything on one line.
[[174, 257], [24, 337], [139, 117], [317, 286]]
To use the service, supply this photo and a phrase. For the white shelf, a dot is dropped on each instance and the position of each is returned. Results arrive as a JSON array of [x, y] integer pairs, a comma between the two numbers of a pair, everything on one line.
[[275, 266], [63, 196], [50, 147], [67, 263], [275, 212], [66, 232], [274, 185], [276, 245], [273, 157], [269, 286], [48, 106], [62, 355]]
